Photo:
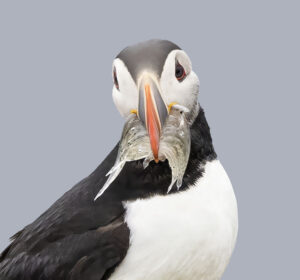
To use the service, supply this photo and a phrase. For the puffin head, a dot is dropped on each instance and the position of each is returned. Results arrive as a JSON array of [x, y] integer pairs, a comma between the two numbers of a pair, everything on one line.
[[149, 79], [156, 90]]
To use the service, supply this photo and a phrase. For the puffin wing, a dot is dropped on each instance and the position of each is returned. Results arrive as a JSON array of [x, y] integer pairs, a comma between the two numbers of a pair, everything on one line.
[[76, 238], [90, 255]]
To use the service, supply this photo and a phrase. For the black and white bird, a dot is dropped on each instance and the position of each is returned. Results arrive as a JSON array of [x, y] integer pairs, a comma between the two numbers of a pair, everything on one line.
[[138, 228]]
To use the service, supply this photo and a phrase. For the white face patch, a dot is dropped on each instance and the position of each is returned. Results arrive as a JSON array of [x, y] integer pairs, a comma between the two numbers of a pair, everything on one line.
[[184, 92], [126, 96]]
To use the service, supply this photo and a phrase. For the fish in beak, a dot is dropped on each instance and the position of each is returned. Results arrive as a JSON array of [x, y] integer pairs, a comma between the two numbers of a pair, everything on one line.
[[152, 111], [153, 132]]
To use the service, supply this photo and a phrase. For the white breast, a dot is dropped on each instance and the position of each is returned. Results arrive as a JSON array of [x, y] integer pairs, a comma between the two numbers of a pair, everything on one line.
[[183, 236]]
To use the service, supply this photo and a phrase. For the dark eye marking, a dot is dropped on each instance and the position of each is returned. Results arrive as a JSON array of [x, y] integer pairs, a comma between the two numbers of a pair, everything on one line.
[[115, 79], [179, 72]]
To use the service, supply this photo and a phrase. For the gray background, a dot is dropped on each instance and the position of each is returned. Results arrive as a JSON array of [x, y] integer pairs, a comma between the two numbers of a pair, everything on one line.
[[58, 120]]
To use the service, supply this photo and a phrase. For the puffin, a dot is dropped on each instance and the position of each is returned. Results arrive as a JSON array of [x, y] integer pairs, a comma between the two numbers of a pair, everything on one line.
[[160, 205]]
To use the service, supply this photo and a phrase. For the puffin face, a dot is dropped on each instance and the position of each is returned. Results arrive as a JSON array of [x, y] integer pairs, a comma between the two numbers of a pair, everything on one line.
[[151, 77]]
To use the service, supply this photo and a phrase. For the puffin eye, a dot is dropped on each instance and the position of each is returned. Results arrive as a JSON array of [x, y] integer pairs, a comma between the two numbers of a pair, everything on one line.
[[179, 72], [115, 79]]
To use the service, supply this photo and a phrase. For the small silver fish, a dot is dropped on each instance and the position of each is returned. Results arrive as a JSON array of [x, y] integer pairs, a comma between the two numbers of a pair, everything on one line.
[[174, 145]]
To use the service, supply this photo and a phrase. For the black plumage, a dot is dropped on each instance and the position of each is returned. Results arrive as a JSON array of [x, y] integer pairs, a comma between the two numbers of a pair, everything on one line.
[[79, 238]]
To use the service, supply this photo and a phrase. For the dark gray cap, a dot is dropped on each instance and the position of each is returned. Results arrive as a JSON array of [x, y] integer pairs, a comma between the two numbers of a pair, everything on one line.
[[149, 55]]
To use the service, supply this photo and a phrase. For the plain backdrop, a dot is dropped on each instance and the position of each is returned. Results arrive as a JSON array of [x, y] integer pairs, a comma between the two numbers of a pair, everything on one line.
[[58, 121]]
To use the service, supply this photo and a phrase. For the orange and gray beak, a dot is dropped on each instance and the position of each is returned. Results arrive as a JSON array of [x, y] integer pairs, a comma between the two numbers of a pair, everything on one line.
[[152, 111]]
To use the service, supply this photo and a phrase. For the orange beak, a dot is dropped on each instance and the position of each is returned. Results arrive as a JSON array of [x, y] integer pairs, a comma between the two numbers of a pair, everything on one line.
[[153, 112], [152, 122]]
